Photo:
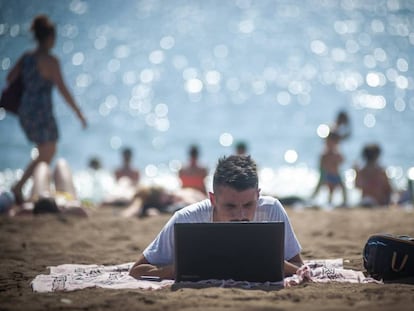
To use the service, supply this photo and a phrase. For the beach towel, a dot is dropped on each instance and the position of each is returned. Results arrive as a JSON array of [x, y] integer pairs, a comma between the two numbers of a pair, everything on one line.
[[324, 273], [70, 277]]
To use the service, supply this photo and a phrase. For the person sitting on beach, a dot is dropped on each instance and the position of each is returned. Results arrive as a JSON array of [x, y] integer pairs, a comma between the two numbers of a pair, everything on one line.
[[47, 198], [329, 164], [236, 197], [126, 170], [126, 180], [193, 175], [372, 179]]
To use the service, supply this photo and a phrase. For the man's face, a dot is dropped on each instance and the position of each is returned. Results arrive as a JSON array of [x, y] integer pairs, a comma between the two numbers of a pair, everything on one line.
[[232, 205]]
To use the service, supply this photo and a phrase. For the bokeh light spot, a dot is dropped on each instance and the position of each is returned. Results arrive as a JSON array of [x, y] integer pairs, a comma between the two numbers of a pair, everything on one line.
[[115, 142], [194, 86], [323, 130], [78, 59], [410, 173], [369, 120], [291, 156], [226, 139], [167, 42]]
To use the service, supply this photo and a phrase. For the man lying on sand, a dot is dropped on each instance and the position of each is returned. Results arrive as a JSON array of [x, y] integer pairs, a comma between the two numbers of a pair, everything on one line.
[[236, 197]]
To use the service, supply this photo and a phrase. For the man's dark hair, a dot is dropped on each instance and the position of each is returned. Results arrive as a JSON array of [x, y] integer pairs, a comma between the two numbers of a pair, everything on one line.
[[236, 171], [127, 153], [371, 152], [241, 147], [45, 206], [193, 151], [94, 163]]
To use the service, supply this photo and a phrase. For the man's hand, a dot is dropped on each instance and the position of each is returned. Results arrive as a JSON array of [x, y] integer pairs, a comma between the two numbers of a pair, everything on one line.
[[290, 268], [143, 267], [293, 265], [165, 272]]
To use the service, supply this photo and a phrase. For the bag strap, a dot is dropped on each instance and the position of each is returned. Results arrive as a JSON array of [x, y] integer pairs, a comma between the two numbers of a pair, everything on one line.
[[394, 259]]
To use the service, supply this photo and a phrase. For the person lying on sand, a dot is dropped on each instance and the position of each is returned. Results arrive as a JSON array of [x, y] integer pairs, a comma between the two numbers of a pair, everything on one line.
[[152, 200], [46, 197], [236, 197]]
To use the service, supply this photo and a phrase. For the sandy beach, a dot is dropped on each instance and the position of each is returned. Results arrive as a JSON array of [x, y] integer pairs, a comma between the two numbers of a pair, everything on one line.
[[29, 245]]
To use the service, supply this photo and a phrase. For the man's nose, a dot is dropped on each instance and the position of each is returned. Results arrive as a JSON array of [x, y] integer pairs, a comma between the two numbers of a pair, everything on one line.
[[240, 214]]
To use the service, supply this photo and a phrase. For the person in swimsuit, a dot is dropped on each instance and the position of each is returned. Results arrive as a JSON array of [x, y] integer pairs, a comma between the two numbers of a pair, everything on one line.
[[372, 179], [193, 175], [330, 162], [40, 70]]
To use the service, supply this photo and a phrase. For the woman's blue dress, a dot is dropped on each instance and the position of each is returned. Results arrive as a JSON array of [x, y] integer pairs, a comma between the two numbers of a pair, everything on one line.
[[36, 110]]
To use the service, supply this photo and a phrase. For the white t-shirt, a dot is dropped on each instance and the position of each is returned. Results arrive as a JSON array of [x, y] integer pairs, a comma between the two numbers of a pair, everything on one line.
[[161, 251]]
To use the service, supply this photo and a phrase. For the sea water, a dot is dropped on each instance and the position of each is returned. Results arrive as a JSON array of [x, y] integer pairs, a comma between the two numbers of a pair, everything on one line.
[[160, 75]]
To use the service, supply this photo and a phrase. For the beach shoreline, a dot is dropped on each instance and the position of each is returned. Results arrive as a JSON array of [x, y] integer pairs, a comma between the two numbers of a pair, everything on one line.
[[31, 244]]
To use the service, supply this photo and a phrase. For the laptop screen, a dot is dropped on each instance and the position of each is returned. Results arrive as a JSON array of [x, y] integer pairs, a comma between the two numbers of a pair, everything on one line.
[[241, 251]]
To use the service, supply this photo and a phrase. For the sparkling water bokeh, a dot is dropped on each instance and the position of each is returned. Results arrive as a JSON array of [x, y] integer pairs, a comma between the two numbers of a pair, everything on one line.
[[160, 75]]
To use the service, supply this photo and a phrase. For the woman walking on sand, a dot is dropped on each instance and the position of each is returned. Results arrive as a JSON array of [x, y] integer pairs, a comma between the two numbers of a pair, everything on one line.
[[40, 70]]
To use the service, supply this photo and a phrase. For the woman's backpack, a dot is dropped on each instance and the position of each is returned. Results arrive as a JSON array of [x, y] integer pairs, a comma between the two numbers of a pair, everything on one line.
[[389, 257]]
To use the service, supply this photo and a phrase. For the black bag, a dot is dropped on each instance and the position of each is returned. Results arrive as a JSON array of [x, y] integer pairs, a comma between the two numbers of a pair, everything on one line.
[[11, 95], [389, 257]]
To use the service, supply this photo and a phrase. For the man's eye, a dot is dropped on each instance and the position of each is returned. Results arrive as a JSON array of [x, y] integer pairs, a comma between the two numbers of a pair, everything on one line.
[[230, 207]]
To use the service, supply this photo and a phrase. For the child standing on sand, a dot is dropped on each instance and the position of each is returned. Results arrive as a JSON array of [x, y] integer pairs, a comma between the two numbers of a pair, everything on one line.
[[330, 161]]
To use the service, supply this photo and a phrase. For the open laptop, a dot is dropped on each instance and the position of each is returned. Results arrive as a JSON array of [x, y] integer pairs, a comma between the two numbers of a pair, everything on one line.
[[241, 251]]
